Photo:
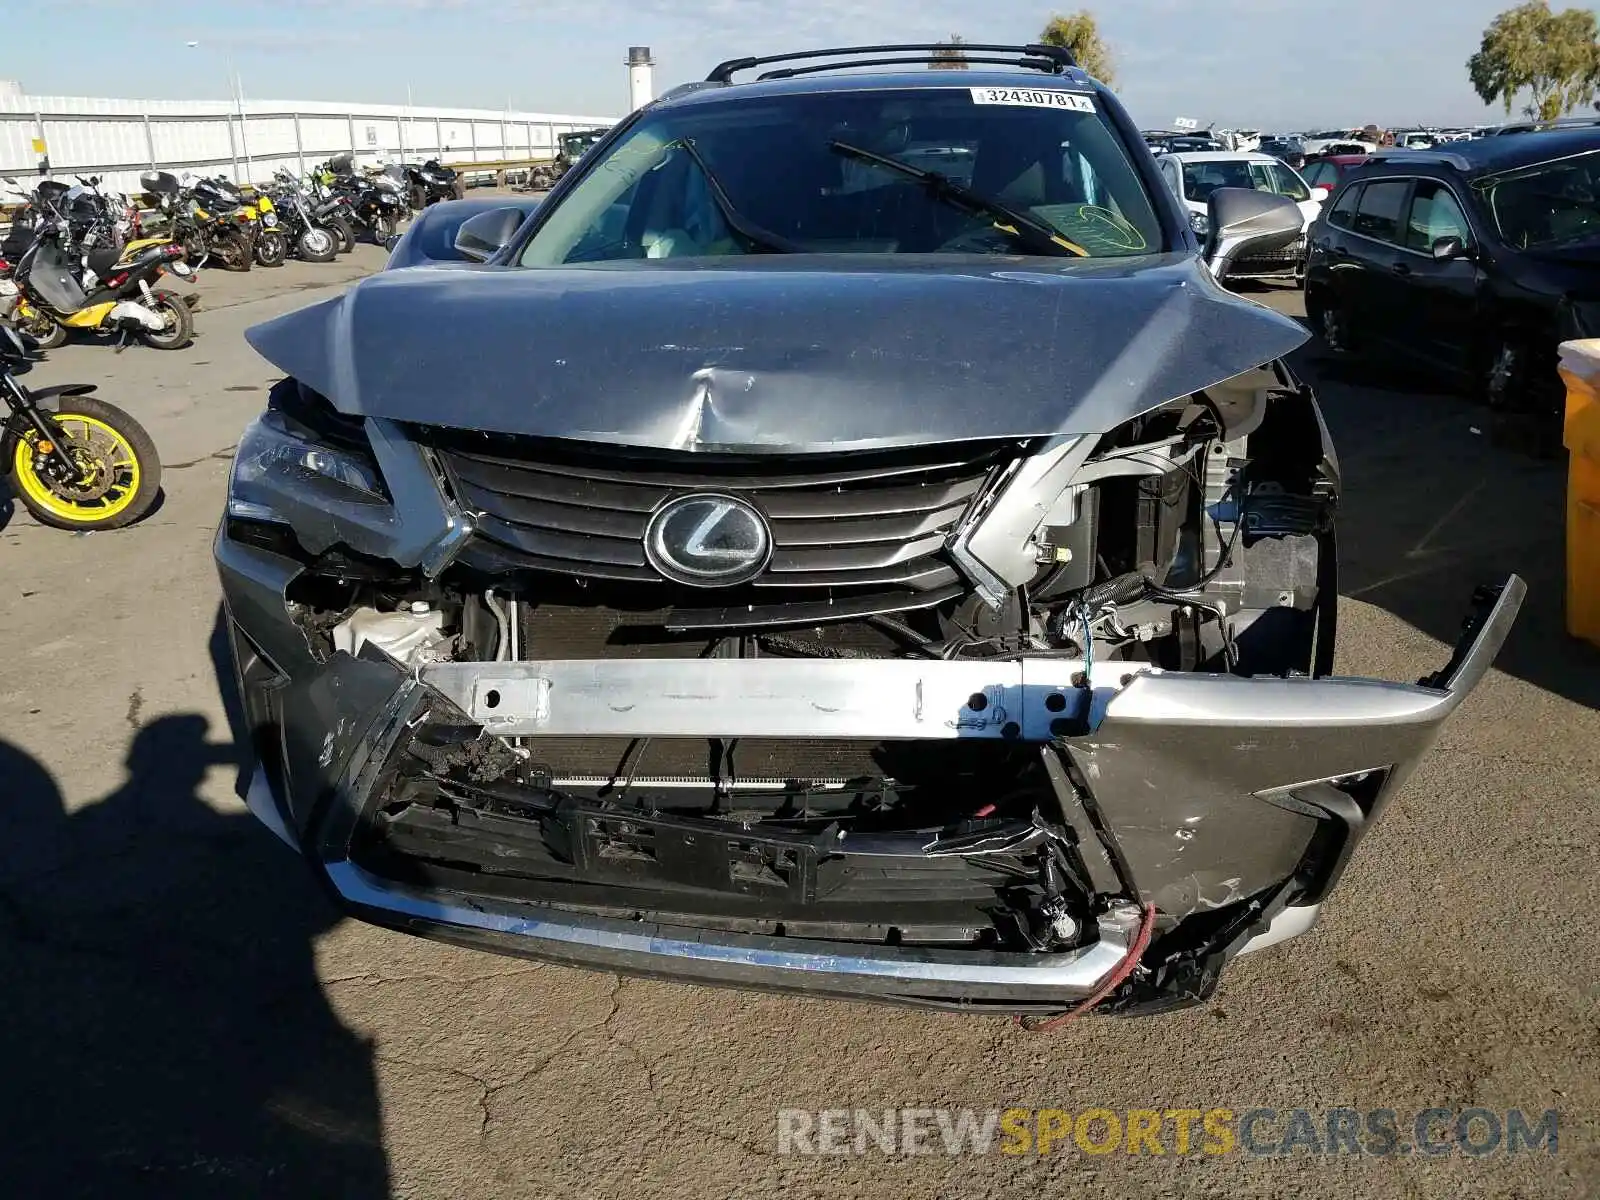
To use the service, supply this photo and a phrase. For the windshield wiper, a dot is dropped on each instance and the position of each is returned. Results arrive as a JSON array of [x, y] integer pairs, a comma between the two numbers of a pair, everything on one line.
[[941, 187], [764, 239]]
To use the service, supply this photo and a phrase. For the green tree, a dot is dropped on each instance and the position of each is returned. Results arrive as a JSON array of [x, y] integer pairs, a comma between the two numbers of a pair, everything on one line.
[[1555, 57], [949, 56], [1081, 35]]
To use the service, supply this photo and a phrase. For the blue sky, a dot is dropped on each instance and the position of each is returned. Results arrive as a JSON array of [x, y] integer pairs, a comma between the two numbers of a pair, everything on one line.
[[1264, 63]]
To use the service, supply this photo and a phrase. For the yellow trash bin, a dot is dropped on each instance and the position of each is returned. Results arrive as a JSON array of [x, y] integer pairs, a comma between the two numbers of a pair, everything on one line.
[[1580, 370]]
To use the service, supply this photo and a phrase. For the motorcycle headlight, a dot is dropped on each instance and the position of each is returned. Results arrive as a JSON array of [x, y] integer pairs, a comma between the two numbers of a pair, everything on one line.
[[269, 219], [288, 474]]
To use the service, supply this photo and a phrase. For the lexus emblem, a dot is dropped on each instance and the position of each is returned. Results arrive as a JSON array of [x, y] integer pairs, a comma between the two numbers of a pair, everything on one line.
[[708, 540]]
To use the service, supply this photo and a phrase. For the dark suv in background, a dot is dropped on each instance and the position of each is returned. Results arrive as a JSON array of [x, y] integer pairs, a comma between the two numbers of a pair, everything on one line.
[[1477, 260]]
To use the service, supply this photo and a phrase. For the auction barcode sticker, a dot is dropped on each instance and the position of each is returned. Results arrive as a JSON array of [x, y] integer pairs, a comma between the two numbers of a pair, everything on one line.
[[1034, 98]]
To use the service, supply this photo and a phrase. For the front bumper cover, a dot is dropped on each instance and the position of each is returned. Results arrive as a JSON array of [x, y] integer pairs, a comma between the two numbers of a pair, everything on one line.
[[1216, 787]]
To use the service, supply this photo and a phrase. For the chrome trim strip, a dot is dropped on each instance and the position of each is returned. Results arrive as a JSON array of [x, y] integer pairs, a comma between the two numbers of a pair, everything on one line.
[[780, 962]]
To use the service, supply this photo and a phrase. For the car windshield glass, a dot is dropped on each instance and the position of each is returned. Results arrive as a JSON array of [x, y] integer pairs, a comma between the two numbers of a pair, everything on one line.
[[697, 180], [1202, 178], [1549, 204]]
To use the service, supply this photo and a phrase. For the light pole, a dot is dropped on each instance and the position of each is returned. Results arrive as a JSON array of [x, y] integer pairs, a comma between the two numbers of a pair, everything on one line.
[[236, 85]]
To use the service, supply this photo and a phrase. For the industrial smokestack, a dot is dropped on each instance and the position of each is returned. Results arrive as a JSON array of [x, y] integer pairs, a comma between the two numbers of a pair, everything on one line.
[[641, 76]]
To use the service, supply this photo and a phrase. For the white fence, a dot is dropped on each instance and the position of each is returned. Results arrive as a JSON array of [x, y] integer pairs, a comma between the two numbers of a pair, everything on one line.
[[118, 139]]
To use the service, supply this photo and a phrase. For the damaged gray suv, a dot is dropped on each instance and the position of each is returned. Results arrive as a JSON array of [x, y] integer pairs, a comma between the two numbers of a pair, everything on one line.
[[843, 540]]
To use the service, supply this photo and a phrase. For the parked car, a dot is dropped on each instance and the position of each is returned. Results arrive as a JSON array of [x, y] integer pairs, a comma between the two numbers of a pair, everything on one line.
[[1192, 178], [1417, 139], [767, 562], [1537, 126], [1161, 142], [1338, 141], [1326, 170], [1286, 150], [1476, 259]]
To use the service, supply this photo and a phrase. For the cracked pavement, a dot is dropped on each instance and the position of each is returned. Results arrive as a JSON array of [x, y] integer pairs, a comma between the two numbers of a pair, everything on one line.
[[187, 1016]]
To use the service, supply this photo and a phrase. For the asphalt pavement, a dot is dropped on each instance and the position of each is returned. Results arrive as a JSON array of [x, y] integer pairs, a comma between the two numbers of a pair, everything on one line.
[[185, 1015]]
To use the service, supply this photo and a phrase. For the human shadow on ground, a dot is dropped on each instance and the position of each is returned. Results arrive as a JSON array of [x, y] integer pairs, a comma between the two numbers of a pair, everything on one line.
[[165, 1032]]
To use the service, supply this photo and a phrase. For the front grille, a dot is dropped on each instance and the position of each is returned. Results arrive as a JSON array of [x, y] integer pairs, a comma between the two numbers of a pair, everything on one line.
[[853, 520]]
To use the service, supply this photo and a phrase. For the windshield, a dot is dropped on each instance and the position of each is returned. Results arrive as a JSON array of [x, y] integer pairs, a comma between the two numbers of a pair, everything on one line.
[[1547, 205], [776, 167], [1200, 179]]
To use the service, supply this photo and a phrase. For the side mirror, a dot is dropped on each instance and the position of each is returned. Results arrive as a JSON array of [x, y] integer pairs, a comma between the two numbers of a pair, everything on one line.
[[1321, 192], [1245, 222], [481, 237], [1446, 249]]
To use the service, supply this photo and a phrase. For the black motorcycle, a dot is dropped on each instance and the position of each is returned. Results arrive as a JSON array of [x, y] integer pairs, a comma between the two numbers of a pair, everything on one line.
[[73, 460], [307, 236], [376, 202]]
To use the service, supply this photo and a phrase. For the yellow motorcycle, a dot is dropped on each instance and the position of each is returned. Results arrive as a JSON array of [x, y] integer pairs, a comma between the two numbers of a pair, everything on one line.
[[271, 246]]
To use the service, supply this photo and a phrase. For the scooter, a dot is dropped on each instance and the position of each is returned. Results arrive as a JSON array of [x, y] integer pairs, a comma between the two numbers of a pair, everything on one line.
[[52, 299]]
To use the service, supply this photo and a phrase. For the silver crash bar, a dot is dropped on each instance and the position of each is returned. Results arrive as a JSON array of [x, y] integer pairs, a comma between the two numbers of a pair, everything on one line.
[[802, 698], [1027, 698]]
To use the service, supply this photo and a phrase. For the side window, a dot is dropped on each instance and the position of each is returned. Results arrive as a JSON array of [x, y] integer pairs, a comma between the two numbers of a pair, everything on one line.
[[1378, 212], [1286, 183], [1343, 213], [1435, 214], [1319, 173], [1169, 174]]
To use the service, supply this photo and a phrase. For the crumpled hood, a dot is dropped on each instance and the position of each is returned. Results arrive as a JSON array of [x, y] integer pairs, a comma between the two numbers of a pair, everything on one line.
[[770, 354]]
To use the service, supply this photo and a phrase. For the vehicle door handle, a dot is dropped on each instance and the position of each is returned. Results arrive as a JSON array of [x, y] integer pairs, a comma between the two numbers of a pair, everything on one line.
[[1339, 252], [1401, 269]]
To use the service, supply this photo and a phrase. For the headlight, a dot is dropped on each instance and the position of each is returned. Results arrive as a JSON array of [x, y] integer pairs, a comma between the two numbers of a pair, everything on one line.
[[285, 474], [1200, 223], [269, 219]]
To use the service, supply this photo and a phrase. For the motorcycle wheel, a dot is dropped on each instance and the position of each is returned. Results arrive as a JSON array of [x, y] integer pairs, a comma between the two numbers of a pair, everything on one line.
[[45, 332], [169, 306], [343, 234], [317, 244], [382, 229], [121, 467], [236, 253], [194, 251], [272, 248]]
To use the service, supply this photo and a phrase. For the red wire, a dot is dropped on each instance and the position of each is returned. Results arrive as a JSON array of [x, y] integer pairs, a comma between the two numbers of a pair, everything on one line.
[[1141, 943]]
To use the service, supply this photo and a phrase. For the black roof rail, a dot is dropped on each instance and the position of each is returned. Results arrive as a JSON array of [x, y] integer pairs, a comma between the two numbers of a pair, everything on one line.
[[1442, 157], [1054, 59], [1031, 64]]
